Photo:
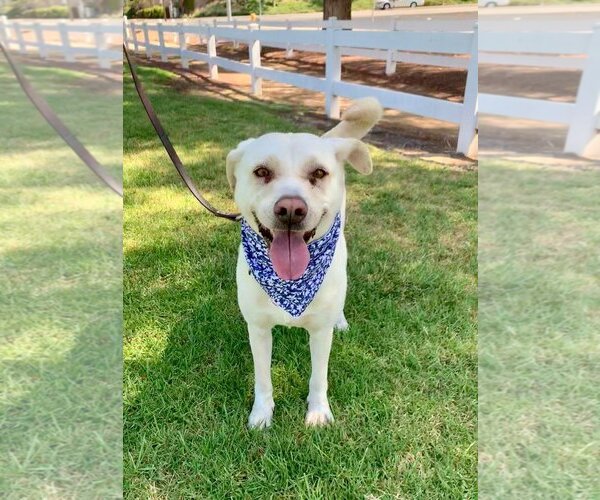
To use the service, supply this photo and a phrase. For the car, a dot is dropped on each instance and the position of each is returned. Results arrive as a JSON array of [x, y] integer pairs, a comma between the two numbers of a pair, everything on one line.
[[492, 3], [392, 4]]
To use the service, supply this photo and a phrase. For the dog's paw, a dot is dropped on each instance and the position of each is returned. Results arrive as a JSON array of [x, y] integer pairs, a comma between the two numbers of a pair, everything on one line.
[[342, 325], [261, 415], [318, 415]]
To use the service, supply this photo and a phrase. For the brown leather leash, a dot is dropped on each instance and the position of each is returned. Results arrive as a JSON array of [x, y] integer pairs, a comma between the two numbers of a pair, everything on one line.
[[164, 138], [57, 124]]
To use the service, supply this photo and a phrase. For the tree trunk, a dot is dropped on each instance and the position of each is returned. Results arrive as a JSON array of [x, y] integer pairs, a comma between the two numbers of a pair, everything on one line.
[[342, 9]]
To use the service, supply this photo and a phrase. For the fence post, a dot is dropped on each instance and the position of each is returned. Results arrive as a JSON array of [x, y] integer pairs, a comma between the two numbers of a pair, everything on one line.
[[146, 40], [100, 41], [254, 54], [468, 121], [183, 46], [390, 61], [161, 41], [125, 37], [126, 33], [133, 31], [3, 30], [39, 36], [333, 70], [236, 43], [19, 37], [66, 42], [584, 122], [290, 50], [211, 47]]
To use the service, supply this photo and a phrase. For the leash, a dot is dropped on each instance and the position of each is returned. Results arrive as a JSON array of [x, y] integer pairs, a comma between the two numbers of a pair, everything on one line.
[[57, 124], [164, 138]]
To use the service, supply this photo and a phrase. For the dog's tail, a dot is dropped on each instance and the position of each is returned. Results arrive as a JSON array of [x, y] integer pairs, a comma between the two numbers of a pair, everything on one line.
[[358, 119]]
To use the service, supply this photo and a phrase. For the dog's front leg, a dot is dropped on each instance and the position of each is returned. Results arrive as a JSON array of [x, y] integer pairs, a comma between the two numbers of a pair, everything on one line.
[[318, 406], [261, 342]]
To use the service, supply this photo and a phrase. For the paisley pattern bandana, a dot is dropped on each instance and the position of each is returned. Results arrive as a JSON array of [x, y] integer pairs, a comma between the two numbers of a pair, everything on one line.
[[292, 296]]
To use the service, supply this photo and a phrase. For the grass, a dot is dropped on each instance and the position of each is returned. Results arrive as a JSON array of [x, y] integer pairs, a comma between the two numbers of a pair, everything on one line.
[[402, 380], [60, 294], [538, 332]]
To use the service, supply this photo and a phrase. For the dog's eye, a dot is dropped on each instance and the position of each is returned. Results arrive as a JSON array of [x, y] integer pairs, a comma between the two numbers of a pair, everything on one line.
[[318, 173], [262, 172]]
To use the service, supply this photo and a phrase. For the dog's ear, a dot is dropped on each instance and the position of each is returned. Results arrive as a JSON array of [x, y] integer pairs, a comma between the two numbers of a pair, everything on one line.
[[355, 152], [233, 158]]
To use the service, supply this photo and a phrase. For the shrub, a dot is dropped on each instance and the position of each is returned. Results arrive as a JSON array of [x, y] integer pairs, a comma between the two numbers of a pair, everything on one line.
[[55, 12], [156, 12], [250, 6], [15, 10], [130, 7], [188, 6]]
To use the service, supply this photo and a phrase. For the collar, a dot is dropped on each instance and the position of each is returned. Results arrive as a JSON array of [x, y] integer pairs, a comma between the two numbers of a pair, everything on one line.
[[293, 296]]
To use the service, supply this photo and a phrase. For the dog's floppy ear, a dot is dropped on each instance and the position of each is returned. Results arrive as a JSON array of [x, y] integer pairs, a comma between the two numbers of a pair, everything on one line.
[[355, 152], [233, 158]]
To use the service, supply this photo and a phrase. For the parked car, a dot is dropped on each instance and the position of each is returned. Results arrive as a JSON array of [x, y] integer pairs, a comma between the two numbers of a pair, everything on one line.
[[493, 3], [392, 4]]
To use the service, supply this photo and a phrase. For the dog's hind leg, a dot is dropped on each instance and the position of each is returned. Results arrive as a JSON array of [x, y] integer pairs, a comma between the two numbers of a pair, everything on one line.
[[261, 342], [319, 412], [341, 325]]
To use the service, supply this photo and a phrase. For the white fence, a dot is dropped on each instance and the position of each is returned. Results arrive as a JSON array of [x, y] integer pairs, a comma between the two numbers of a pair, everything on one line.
[[389, 55], [500, 44], [66, 39], [440, 48], [576, 50]]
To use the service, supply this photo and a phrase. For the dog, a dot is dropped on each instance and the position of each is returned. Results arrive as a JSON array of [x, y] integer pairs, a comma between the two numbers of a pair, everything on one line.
[[291, 267]]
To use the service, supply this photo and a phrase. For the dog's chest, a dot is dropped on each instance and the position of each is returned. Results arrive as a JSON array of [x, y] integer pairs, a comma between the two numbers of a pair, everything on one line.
[[258, 308]]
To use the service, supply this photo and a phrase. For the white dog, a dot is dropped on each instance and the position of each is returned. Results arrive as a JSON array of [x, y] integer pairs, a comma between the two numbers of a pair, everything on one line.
[[291, 267]]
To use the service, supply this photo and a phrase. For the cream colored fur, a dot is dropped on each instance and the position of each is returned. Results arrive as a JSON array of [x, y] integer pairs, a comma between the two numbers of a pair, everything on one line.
[[291, 157]]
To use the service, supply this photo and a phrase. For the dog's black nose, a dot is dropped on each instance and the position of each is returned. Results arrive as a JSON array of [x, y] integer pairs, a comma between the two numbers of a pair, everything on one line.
[[290, 210]]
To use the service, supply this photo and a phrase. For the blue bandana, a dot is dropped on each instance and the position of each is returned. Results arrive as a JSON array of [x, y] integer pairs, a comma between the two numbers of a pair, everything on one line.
[[293, 296]]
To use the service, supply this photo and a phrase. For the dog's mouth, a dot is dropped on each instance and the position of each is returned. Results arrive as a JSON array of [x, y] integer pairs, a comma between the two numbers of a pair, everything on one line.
[[288, 249], [267, 234]]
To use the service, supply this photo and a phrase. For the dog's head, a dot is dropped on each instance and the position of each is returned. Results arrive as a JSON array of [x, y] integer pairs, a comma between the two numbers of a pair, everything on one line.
[[289, 187]]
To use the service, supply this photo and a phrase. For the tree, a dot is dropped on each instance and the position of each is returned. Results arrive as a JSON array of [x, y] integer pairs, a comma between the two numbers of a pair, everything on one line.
[[342, 9]]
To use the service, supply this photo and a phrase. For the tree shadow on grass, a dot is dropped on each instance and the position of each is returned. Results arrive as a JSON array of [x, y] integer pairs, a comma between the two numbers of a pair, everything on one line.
[[61, 429]]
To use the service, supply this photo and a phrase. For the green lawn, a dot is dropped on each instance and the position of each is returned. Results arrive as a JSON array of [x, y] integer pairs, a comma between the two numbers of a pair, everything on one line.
[[60, 293], [539, 299], [402, 380]]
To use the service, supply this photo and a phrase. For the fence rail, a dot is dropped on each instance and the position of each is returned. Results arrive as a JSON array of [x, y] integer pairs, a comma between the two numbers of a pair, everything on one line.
[[578, 50], [69, 40], [457, 49], [574, 50]]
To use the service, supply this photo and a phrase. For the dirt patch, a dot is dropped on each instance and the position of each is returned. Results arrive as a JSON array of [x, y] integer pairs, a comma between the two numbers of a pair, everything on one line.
[[432, 81]]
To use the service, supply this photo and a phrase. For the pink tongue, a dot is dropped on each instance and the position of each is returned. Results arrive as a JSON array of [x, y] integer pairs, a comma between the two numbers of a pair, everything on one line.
[[289, 254]]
